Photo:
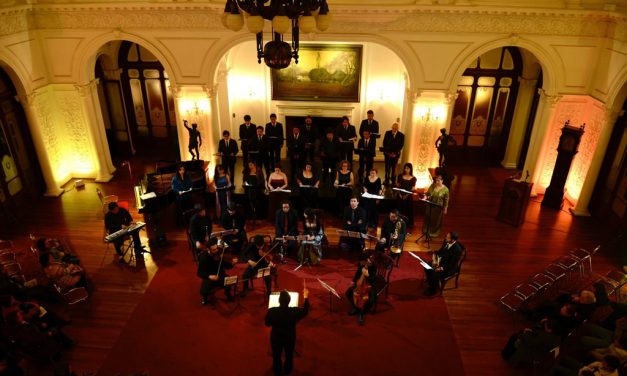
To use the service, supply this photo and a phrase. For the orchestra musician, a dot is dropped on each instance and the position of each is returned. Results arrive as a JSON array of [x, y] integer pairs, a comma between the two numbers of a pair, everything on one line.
[[407, 182], [346, 135], [366, 148], [274, 132], [228, 149], [247, 132], [286, 224], [444, 262], [360, 294], [370, 125], [116, 219], [393, 143], [329, 150], [258, 150], [195, 141], [283, 321], [393, 234], [310, 135], [353, 219], [308, 185], [211, 270], [372, 185], [182, 185], [296, 152], [254, 185], [232, 219], [199, 225], [222, 186], [344, 184], [312, 246], [258, 256]]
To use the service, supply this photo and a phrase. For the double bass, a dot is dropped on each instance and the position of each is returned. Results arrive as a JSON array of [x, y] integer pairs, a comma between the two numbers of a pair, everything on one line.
[[361, 294]]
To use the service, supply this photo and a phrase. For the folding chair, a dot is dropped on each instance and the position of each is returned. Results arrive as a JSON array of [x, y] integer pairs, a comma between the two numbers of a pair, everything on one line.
[[583, 255], [105, 200], [74, 295]]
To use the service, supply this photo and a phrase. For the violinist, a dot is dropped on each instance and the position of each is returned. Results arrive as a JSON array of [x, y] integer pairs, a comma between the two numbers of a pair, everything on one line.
[[258, 256], [211, 270], [360, 294]]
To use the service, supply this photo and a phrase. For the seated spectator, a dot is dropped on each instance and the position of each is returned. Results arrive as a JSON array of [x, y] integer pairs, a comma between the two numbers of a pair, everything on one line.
[[568, 366], [63, 275], [595, 336], [530, 344], [54, 247], [617, 349], [30, 340]]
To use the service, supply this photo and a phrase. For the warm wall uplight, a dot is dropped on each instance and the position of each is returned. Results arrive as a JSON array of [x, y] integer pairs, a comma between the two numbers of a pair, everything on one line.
[[390, 91], [245, 88]]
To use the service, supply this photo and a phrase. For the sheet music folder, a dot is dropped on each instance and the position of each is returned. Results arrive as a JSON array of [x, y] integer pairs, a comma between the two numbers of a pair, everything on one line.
[[422, 262], [273, 300]]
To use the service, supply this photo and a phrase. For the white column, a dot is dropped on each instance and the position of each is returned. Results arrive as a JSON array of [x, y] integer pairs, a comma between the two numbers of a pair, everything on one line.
[[520, 119], [96, 129], [610, 116], [541, 126], [34, 125]]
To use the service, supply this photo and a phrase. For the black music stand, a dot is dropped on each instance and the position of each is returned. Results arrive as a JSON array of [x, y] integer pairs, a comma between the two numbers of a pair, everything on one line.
[[305, 257], [427, 235], [332, 293], [352, 235]]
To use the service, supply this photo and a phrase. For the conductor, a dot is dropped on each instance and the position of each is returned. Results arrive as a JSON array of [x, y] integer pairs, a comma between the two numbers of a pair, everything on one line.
[[283, 321]]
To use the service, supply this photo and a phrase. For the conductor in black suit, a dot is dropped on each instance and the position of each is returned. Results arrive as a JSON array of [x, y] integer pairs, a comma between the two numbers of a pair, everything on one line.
[[296, 152], [444, 263], [274, 132], [283, 321], [228, 148], [366, 148], [345, 133], [247, 132], [370, 125], [310, 135], [393, 143]]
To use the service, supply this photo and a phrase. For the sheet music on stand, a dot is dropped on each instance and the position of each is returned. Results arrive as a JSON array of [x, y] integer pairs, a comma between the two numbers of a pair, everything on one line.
[[230, 280], [404, 191], [263, 272], [369, 195], [273, 300], [148, 195], [308, 186], [282, 190], [221, 233], [329, 288], [422, 262]]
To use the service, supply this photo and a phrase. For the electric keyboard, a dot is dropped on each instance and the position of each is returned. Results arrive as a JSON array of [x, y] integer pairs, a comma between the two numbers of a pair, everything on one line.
[[125, 231]]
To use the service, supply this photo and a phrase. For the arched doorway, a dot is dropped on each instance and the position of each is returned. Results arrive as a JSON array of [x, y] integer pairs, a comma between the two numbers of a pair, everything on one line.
[[483, 111], [20, 175], [137, 103]]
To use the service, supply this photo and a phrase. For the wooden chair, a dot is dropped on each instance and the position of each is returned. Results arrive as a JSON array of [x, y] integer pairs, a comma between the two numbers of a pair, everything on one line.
[[385, 266], [457, 272]]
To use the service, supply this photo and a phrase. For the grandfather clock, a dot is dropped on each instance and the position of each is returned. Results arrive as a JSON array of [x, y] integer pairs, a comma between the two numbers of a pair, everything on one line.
[[566, 150]]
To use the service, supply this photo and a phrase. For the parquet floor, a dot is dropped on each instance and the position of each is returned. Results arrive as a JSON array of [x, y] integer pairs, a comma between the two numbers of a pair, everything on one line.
[[500, 256]]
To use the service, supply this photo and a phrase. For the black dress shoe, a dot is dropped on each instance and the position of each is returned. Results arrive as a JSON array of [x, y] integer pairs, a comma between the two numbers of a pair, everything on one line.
[[203, 301], [429, 292], [352, 312], [361, 319]]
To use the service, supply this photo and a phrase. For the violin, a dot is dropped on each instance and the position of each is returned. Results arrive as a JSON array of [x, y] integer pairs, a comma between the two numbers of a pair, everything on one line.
[[361, 293]]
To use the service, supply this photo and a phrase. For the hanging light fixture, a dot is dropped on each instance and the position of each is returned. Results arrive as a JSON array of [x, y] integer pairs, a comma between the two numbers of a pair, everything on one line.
[[295, 15]]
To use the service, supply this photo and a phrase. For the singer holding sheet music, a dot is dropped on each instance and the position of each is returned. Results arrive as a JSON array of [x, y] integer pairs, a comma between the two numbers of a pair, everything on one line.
[[228, 149], [344, 184], [222, 185], [372, 185], [407, 182], [366, 149], [283, 321], [277, 184], [254, 186], [439, 195], [308, 186], [346, 135], [443, 263], [182, 185], [274, 132]]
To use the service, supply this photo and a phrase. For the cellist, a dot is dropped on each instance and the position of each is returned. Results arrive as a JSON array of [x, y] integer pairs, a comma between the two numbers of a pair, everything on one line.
[[211, 270], [360, 294], [259, 256]]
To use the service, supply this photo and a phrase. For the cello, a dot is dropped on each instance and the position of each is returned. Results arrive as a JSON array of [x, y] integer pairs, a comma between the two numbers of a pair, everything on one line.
[[361, 293]]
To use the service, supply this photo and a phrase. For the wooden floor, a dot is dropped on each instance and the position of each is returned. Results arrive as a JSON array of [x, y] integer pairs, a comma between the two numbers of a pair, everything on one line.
[[499, 257]]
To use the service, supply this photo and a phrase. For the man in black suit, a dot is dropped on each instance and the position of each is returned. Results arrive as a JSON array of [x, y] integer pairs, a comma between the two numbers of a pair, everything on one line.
[[296, 152], [370, 125], [329, 149], [310, 135], [259, 150], [366, 150], [446, 261], [283, 321], [199, 225], [233, 220], [346, 136], [228, 148], [211, 271], [274, 132], [286, 224], [247, 132], [353, 219], [393, 143]]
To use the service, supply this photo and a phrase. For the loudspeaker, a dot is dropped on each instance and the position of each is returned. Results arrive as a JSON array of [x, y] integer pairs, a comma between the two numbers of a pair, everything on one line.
[[79, 184]]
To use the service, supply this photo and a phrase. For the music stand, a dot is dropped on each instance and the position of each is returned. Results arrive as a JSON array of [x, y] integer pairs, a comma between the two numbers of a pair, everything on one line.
[[262, 273], [370, 238], [332, 293], [305, 256], [427, 234]]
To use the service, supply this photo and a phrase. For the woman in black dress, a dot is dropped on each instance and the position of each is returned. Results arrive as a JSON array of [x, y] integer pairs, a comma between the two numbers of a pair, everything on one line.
[[372, 185], [254, 186], [308, 186], [344, 184], [404, 201]]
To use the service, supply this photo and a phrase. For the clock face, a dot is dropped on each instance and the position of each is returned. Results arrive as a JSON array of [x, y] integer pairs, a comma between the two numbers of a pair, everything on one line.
[[568, 143]]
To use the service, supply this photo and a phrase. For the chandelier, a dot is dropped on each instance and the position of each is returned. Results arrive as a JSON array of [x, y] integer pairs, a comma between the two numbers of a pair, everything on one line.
[[299, 15]]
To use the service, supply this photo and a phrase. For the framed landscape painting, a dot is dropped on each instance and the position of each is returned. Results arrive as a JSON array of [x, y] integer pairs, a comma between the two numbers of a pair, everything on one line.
[[327, 73]]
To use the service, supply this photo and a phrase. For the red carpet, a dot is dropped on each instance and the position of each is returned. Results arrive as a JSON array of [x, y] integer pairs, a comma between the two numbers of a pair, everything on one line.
[[170, 333]]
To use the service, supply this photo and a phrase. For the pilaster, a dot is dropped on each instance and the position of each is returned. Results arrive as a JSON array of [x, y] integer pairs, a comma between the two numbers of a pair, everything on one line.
[[519, 121]]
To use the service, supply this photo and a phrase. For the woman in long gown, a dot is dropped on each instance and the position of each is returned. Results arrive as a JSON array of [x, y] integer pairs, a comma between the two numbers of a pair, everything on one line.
[[405, 203], [254, 185], [372, 185], [277, 182], [344, 184], [308, 187], [312, 247], [434, 214], [222, 185]]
